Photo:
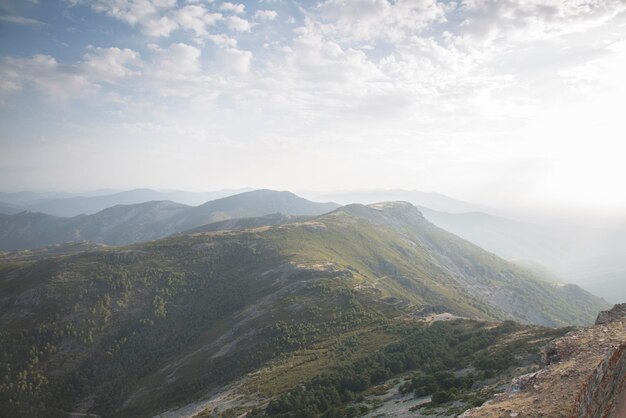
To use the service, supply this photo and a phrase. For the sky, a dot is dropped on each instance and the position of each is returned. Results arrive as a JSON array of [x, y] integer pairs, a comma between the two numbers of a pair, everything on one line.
[[509, 102]]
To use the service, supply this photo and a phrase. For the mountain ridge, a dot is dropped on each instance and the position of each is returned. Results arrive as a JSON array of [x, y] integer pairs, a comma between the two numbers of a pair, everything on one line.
[[152, 325], [72, 204], [432, 200], [125, 224], [591, 258]]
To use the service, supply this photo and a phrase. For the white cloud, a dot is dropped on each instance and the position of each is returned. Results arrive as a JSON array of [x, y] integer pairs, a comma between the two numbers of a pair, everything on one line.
[[171, 71], [110, 64], [266, 14], [149, 15], [20, 20], [197, 19], [178, 60], [319, 60], [374, 19], [533, 19], [232, 7], [235, 60], [159, 18], [223, 41], [238, 24], [133, 11], [336, 53], [158, 27], [419, 85], [44, 74]]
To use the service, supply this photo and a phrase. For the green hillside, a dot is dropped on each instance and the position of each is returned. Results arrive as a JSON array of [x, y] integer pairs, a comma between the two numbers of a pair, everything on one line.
[[136, 330]]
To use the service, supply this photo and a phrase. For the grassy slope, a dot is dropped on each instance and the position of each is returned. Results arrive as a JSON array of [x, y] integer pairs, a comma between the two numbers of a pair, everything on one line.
[[131, 331]]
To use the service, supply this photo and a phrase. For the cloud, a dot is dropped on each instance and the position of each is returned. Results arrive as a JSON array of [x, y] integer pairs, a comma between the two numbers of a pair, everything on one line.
[[222, 41], [44, 74], [238, 24], [533, 19], [171, 71], [158, 27], [378, 19], [235, 60], [313, 57], [359, 55], [149, 15], [133, 11], [266, 14], [353, 55], [409, 87], [177, 60], [110, 64], [197, 19], [20, 20], [159, 18], [234, 8]]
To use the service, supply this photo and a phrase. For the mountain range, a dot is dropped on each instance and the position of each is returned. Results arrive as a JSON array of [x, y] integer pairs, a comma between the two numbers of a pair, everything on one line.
[[591, 257], [69, 205], [125, 224], [431, 200], [137, 330]]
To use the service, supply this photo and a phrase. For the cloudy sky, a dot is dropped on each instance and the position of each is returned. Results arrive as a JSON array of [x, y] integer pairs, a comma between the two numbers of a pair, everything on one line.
[[521, 101]]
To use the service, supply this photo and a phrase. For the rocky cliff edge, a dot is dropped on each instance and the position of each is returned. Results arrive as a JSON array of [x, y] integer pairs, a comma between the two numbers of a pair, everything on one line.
[[583, 375]]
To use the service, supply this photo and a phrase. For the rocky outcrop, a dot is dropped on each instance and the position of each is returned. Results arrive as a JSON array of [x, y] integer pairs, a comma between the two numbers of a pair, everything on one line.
[[584, 376], [605, 389], [617, 312]]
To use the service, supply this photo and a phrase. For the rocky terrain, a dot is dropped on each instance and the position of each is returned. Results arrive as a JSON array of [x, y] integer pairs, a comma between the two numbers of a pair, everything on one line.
[[584, 376]]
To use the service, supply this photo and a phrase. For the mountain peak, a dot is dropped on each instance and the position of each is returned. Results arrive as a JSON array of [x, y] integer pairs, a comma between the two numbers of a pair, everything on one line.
[[391, 213], [128, 223], [395, 206]]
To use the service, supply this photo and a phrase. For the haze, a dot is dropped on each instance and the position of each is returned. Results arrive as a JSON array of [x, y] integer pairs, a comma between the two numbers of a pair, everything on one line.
[[516, 103], [312, 208]]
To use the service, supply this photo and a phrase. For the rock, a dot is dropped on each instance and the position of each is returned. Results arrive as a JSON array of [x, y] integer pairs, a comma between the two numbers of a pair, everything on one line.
[[584, 376], [616, 312], [522, 382]]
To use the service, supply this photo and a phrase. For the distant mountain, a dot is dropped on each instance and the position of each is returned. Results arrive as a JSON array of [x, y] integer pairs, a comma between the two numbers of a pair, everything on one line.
[[68, 206], [116, 225], [347, 299], [125, 224], [23, 198], [592, 258], [603, 275], [507, 238], [431, 200], [252, 204], [31, 230], [8, 209]]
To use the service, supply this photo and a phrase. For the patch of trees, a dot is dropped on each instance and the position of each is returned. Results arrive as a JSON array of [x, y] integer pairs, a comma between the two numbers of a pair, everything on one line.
[[107, 320], [443, 386], [433, 350]]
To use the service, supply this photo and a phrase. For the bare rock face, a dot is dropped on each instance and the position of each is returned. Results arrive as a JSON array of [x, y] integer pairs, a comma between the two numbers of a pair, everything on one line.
[[584, 376], [618, 311]]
